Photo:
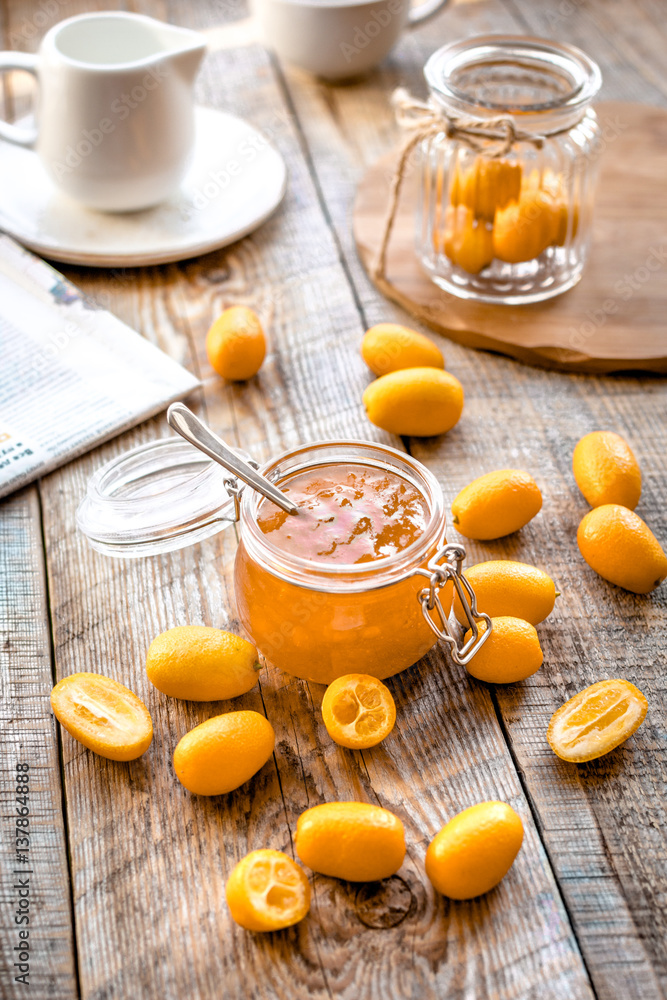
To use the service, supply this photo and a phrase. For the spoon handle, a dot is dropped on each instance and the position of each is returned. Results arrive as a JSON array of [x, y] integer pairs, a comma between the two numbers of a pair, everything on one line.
[[189, 426]]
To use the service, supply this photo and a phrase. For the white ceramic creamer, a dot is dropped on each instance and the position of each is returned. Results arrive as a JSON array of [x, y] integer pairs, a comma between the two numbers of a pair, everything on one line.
[[115, 107]]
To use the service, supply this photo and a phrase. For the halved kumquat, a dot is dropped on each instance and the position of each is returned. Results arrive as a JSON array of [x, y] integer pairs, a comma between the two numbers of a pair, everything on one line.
[[358, 711], [267, 891], [103, 715], [596, 720]]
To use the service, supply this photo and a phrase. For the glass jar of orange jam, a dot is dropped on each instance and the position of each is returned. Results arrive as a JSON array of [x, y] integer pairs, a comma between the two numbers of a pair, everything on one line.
[[332, 590], [357, 582]]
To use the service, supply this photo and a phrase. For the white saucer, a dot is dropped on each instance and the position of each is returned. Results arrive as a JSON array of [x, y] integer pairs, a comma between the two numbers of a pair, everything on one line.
[[235, 182]]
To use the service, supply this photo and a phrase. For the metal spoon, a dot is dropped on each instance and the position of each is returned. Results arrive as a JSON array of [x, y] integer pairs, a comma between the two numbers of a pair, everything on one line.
[[197, 433]]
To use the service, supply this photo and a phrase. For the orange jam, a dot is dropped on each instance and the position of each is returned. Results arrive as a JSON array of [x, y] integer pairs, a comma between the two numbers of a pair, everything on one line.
[[351, 605], [347, 514]]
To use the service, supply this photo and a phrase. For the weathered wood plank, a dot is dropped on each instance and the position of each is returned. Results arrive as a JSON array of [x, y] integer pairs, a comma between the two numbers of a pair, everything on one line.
[[34, 867], [382, 786], [626, 39], [606, 862], [144, 847], [517, 416], [315, 380]]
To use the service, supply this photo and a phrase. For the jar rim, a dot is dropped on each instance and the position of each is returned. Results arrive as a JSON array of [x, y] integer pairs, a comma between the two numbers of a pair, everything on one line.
[[567, 62], [322, 576]]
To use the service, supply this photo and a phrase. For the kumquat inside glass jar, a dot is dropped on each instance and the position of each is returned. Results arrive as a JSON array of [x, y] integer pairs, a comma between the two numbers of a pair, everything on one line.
[[361, 580], [507, 183]]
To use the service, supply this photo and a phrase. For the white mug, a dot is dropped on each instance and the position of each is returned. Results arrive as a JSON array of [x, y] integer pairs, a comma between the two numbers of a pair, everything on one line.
[[337, 39], [115, 107]]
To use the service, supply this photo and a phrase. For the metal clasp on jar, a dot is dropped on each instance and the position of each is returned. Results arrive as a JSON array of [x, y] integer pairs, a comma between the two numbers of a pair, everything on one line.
[[446, 565], [235, 487]]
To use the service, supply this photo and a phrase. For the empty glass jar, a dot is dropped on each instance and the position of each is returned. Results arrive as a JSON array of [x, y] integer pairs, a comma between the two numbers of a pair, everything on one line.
[[507, 186]]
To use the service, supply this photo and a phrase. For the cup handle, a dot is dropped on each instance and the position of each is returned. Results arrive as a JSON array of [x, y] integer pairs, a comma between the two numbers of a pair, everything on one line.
[[12, 133], [422, 11]]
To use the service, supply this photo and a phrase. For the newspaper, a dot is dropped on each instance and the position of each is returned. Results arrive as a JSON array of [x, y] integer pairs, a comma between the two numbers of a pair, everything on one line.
[[71, 374]]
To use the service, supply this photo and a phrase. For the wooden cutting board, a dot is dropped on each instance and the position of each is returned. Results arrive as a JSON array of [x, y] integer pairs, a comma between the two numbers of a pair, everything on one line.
[[616, 317]]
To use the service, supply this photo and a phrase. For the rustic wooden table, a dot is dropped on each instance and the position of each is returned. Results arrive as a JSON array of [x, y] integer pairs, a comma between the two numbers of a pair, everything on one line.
[[128, 869]]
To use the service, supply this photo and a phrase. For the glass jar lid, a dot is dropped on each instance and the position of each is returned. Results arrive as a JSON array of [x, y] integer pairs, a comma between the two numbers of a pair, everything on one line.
[[545, 85], [156, 498]]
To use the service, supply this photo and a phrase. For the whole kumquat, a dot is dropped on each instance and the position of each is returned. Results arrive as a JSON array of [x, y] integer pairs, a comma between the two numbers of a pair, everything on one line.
[[223, 752], [621, 548], [389, 347], [475, 850], [201, 664], [235, 344], [467, 241], [511, 653], [606, 471], [416, 402], [504, 587], [354, 841], [496, 504]]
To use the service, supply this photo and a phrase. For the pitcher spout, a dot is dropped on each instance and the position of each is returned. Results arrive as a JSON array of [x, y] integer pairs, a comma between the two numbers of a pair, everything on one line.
[[184, 48]]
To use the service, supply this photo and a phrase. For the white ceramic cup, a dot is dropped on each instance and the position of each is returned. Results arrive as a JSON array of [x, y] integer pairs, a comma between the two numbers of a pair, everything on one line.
[[337, 40], [115, 107]]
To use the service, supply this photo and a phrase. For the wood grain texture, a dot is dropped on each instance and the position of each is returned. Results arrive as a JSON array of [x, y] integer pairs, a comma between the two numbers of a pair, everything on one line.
[[149, 860], [606, 863], [520, 416], [105, 613], [29, 737], [309, 387], [613, 320]]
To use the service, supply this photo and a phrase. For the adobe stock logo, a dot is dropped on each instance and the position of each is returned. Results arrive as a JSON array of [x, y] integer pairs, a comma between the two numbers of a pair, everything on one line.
[[363, 35]]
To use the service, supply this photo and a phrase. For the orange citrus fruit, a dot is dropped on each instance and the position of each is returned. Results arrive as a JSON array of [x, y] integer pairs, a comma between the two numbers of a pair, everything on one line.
[[496, 504], [358, 711], [350, 840], [511, 653], [467, 241], [554, 185], [267, 891], [504, 587], [415, 402], [596, 720], [486, 186], [103, 715], [223, 752], [527, 227], [606, 471], [621, 548], [201, 664], [475, 850], [389, 347], [235, 344]]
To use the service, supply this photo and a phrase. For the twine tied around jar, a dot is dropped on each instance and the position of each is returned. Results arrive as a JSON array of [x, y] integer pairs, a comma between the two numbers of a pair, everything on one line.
[[492, 136]]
